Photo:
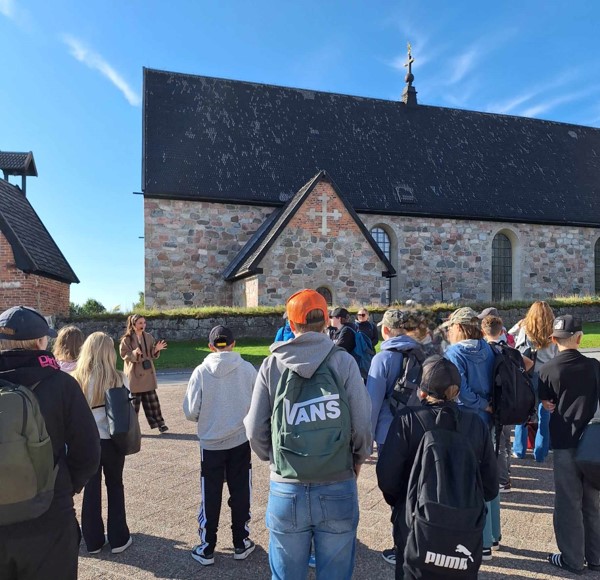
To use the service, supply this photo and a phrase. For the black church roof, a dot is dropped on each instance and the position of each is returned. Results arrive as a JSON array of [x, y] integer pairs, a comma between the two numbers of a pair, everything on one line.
[[247, 262], [231, 141], [33, 247], [12, 163]]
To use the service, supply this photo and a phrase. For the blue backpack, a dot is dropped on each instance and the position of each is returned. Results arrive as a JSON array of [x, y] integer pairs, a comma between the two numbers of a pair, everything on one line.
[[363, 353]]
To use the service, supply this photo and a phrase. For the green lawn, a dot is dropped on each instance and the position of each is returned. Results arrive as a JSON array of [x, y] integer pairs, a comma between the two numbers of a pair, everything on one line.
[[190, 353]]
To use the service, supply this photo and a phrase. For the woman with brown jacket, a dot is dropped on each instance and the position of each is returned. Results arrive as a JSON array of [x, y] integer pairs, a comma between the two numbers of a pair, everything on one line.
[[138, 350]]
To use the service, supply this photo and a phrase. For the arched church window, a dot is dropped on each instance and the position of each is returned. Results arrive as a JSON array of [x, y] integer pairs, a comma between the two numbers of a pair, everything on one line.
[[597, 265], [502, 268], [382, 239], [326, 293]]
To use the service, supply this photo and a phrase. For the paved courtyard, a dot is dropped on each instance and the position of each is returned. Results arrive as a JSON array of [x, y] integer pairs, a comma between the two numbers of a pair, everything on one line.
[[161, 489]]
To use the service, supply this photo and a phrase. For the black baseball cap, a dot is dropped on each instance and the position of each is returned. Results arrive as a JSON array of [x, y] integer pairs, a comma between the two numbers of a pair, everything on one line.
[[220, 336], [566, 326], [24, 323], [438, 374]]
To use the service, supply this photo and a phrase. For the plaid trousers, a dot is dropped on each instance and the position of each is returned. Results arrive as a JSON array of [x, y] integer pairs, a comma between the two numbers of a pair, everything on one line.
[[151, 405]]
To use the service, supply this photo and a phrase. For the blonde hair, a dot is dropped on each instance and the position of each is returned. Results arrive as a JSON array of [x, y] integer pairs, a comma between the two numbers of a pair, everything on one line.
[[538, 324], [30, 344], [96, 368], [68, 343]]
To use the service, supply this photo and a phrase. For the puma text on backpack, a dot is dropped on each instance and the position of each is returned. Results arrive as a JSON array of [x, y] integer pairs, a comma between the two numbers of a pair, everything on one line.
[[27, 469], [445, 507], [310, 425], [363, 353], [405, 389], [513, 397]]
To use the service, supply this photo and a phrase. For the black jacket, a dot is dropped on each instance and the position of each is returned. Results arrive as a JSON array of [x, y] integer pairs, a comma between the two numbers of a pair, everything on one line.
[[400, 449], [368, 329], [571, 380], [345, 337], [71, 427]]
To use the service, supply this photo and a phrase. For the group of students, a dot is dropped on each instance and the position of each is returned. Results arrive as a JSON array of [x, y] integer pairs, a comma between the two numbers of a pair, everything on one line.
[[312, 515], [70, 385], [308, 413]]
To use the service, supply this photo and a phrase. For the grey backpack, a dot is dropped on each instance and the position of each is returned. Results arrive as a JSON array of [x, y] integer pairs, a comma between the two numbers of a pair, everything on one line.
[[27, 467]]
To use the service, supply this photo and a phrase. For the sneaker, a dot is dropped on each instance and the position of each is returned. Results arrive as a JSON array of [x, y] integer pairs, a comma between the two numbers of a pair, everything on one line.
[[123, 547], [389, 556], [507, 487], [203, 556], [163, 429], [243, 553], [515, 456], [594, 567], [312, 561], [486, 554], [495, 546]]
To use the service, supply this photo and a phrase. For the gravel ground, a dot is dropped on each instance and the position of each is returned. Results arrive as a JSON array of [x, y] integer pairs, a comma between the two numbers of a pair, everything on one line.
[[162, 492]]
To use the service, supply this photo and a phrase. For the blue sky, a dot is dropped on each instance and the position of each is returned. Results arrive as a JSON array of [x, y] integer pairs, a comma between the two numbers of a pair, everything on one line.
[[72, 75]]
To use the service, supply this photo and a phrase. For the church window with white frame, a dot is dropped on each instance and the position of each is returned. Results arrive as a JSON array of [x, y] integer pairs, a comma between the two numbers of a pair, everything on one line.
[[382, 239]]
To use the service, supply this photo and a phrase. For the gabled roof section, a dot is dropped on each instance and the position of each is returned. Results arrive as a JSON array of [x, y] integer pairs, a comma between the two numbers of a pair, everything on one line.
[[247, 262], [18, 163], [33, 247], [229, 141]]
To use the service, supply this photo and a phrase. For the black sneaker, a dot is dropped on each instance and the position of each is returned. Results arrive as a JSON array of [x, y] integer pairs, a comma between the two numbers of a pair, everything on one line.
[[243, 553], [495, 546], [163, 429], [389, 556], [203, 556], [486, 554], [506, 488]]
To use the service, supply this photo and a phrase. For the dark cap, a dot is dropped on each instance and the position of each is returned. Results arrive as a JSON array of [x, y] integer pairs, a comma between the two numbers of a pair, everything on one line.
[[438, 374], [491, 311], [220, 337], [340, 313], [566, 326], [24, 323]]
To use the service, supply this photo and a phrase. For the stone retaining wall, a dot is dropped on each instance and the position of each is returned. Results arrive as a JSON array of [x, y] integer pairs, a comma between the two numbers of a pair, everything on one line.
[[264, 326]]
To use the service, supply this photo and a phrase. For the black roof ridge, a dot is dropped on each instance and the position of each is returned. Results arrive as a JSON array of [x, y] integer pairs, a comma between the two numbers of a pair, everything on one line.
[[362, 97]]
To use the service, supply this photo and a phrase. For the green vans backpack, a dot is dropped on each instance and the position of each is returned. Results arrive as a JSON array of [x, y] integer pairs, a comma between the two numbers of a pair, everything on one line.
[[27, 469], [310, 425]]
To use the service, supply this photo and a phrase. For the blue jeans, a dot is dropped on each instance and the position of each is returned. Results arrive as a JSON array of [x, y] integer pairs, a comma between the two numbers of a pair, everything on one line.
[[299, 513], [542, 437], [492, 531]]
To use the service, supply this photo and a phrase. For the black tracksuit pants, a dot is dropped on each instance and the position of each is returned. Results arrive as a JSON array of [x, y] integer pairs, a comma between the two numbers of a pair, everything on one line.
[[234, 467]]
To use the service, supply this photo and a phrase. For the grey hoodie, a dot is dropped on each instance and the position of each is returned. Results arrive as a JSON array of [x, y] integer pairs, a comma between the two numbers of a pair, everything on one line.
[[303, 355], [218, 398]]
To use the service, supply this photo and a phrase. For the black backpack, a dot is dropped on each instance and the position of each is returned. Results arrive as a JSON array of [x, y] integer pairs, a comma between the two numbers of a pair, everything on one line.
[[445, 506], [123, 423], [404, 393], [513, 397]]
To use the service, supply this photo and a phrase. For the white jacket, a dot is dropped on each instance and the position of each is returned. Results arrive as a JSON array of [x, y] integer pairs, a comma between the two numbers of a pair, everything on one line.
[[218, 398]]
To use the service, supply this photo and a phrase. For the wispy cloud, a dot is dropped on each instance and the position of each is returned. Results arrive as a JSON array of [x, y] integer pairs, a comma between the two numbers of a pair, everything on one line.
[[549, 104], [95, 61], [8, 8], [463, 65]]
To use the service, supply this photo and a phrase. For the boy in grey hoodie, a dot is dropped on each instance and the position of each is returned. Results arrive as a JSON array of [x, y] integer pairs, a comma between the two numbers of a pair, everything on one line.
[[324, 509], [217, 398]]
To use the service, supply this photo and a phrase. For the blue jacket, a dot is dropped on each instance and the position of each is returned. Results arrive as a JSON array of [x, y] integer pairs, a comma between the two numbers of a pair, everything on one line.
[[284, 333], [386, 367], [475, 362]]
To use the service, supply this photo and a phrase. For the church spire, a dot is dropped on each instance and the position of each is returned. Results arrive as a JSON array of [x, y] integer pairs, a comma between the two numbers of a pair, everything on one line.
[[409, 94]]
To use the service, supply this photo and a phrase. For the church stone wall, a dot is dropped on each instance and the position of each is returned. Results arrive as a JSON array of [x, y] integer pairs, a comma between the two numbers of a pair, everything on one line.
[[304, 257], [547, 260], [188, 244]]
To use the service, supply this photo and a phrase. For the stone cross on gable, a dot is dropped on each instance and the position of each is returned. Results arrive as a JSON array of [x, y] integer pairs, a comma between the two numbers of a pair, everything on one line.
[[313, 214]]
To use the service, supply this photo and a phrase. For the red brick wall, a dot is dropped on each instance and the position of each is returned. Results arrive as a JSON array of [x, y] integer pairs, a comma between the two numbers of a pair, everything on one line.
[[48, 296]]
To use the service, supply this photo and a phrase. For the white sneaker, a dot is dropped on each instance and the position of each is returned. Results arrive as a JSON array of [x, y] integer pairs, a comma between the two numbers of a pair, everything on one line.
[[123, 547], [243, 553]]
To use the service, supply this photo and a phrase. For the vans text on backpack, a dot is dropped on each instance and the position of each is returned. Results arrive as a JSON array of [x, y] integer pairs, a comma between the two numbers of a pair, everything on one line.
[[310, 425], [513, 397], [445, 507], [405, 388], [27, 467]]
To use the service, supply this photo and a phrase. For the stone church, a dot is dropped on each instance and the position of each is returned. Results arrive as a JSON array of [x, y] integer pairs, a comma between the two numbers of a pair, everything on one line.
[[253, 191]]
